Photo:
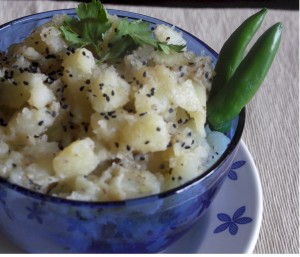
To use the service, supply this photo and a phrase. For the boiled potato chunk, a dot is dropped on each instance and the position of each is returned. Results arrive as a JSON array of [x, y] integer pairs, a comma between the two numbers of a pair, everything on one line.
[[76, 159], [145, 101], [169, 35], [186, 167], [27, 87], [146, 133], [39, 158], [107, 126], [40, 94], [201, 94], [80, 63], [136, 60], [78, 67], [36, 42], [51, 36], [184, 96], [29, 124], [9, 91], [174, 60], [153, 94], [125, 183], [160, 161], [85, 190], [108, 90], [31, 54]]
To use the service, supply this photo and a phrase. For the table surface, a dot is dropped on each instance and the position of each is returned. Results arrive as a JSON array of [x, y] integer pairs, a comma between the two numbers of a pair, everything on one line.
[[272, 125]]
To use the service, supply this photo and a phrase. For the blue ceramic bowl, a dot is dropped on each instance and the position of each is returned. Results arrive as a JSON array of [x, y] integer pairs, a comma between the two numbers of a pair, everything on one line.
[[43, 224]]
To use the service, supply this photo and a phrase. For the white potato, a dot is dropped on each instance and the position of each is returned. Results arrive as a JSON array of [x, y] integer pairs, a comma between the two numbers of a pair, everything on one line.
[[108, 91], [123, 183], [80, 63], [35, 41], [174, 60], [26, 87], [152, 94], [40, 94], [138, 59], [146, 133], [107, 127], [186, 166], [9, 91], [39, 164], [31, 54], [184, 96], [84, 189], [51, 36], [169, 35], [76, 159], [28, 125], [78, 67]]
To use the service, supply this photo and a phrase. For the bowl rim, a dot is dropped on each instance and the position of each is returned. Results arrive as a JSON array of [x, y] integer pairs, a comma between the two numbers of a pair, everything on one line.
[[139, 200]]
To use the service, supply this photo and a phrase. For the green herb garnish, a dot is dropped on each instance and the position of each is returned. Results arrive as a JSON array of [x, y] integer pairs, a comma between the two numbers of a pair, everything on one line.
[[89, 28], [92, 23]]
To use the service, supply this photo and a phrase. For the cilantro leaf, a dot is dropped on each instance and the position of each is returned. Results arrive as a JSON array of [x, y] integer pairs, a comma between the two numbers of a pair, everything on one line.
[[169, 48], [132, 34], [73, 37], [92, 23], [128, 37], [88, 30], [93, 10], [138, 30], [141, 34], [119, 46]]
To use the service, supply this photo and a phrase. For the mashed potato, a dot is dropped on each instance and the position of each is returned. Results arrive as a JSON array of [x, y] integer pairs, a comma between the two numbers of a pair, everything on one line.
[[76, 128]]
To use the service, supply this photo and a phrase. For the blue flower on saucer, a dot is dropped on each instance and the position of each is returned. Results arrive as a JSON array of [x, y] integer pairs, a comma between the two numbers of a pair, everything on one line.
[[232, 223], [236, 165]]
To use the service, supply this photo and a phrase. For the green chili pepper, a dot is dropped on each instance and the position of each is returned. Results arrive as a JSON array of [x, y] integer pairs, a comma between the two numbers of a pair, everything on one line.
[[233, 50], [246, 80]]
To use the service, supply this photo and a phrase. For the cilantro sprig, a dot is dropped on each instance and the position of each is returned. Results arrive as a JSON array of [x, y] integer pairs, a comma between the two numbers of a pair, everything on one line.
[[88, 29]]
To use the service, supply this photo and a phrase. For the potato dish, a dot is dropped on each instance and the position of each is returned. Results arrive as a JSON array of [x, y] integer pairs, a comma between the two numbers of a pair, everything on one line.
[[78, 128]]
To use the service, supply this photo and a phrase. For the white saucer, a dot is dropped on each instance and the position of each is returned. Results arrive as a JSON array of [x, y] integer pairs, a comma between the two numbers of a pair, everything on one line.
[[233, 221]]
